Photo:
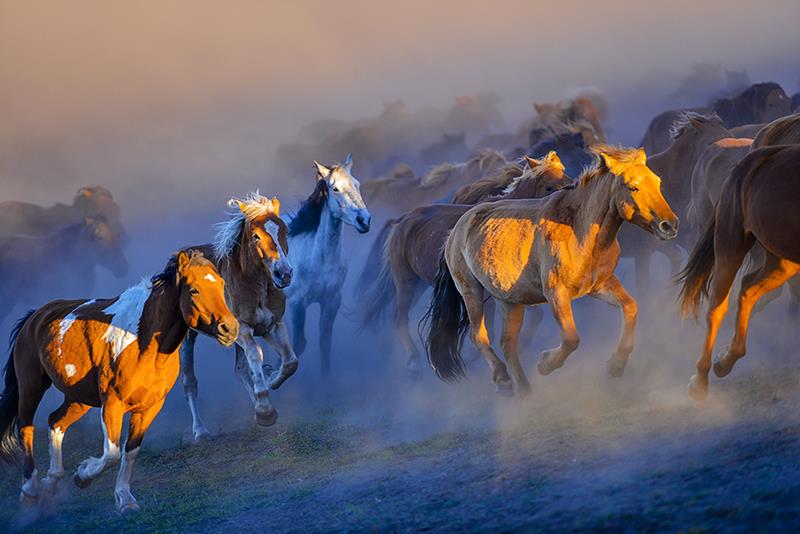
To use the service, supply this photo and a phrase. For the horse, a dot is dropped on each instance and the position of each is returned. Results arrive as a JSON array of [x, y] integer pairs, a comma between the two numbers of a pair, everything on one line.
[[315, 238], [452, 147], [407, 265], [117, 354], [691, 134], [60, 263], [758, 205], [759, 103], [23, 218], [783, 131], [556, 249], [250, 252]]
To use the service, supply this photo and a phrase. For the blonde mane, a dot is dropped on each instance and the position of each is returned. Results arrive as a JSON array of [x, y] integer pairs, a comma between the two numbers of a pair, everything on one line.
[[480, 162], [525, 172], [624, 155], [249, 208]]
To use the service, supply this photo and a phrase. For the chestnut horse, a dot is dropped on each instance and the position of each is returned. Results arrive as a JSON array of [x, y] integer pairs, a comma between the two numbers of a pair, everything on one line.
[[409, 252], [759, 204], [118, 354], [250, 251], [556, 249]]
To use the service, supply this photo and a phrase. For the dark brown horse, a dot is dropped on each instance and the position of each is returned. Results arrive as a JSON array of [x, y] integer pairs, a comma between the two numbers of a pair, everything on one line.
[[118, 354], [759, 204]]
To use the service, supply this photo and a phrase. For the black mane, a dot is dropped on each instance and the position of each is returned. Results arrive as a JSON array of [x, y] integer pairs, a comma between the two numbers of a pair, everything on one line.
[[168, 276], [306, 219]]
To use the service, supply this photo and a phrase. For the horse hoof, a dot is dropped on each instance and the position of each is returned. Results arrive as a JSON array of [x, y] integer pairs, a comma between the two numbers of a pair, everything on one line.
[[543, 368], [615, 369], [131, 507], [283, 374], [504, 389], [267, 418], [81, 483], [720, 369], [698, 388]]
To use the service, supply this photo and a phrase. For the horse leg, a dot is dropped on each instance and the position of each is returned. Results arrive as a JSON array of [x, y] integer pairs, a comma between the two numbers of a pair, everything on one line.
[[406, 292], [189, 380], [138, 425], [473, 300], [561, 306], [327, 316], [488, 316], [774, 272], [615, 294], [278, 339], [59, 421], [511, 317], [31, 391], [298, 309], [111, 419], [250, 368]]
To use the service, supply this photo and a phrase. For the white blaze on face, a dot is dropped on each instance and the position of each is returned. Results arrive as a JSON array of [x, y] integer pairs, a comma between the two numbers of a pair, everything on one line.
[[69, 369], [126, 313], [66, 323], [210, 277], [272, 229]]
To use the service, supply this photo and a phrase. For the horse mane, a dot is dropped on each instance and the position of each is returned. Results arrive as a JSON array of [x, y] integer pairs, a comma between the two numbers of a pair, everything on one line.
[[684, 122], [481, 161], [169, 276], [440, 174], [306, 218], [249, 208], [599, 167], [527, 173]]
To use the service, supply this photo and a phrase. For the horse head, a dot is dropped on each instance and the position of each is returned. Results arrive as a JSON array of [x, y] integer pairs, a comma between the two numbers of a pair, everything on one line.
[[344, 194], [264, 237], [104, 242]]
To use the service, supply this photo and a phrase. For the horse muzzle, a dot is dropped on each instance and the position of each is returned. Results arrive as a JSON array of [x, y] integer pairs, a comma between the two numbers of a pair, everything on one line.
[[282, 276], [363, 221], [227, 332], [665, 229]]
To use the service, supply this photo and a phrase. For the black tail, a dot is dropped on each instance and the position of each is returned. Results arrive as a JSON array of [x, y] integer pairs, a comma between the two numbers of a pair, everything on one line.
[[696, 276], [9, 400], [381, 291], [373, 265], [447, 322]]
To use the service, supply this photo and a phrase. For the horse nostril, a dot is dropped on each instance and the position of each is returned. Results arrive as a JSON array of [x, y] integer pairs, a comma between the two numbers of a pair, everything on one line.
[[224, 328], [665, 226]]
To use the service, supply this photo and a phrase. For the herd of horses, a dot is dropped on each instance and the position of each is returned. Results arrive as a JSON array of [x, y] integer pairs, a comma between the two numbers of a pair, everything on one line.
[[510, 227]]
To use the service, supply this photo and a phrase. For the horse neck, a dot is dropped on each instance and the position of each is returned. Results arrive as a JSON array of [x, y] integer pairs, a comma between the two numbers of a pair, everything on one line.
[[162, 321], [328, 239], [597, 221]]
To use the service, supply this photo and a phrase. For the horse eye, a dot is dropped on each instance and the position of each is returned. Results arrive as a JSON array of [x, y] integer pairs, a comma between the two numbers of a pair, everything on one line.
[[256, 237], [633, 189], [193, 291], [335, 189]]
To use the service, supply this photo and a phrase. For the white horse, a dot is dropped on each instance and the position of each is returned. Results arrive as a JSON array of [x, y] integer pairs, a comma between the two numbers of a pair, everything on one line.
[[315, 251]]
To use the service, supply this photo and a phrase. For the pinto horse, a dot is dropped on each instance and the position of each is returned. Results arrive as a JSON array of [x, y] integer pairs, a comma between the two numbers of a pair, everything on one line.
[[758, 205], [315, 238], [556, 249], [407, 265], [118, 354], [249, 251]]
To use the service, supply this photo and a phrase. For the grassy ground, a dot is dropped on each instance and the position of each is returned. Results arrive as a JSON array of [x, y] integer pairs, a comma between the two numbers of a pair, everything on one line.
[[600, 461]]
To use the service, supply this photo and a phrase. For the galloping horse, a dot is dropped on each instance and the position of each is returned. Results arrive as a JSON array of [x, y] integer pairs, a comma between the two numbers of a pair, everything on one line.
[[758, 205], [556, 249], [407, 264], [315, 236], [250, 252], [61, 263], [23, 218], [118, 354]]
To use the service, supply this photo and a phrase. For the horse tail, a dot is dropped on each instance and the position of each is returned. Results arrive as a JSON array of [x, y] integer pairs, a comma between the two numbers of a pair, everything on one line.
[[696, 276], [447, 322], [9, 399], [374, 264], [381, 292]]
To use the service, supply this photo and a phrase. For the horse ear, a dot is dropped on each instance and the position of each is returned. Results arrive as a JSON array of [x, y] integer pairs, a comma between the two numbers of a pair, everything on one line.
[[348, 162], [276, 205], [322, 170], [241, 205], [85, 191], [552, 157], [613, 164], [532, 162], [183, 260], [641, 156]]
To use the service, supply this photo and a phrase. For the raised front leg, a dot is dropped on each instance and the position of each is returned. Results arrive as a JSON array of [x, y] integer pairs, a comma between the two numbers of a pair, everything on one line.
[[249, 367], [189, 380], [89, 469], [561, 305], [138, 425], [278, 339], [329, 309], [614, 293], [298, 311]]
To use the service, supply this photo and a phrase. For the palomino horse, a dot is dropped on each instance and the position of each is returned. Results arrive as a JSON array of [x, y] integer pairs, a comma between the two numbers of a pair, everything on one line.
[[22, 218], [407, 265], [691, 134], [61, 263], [759, 103], [758, 205], [250, 252], [118, 354], [556, 249], [315, 235]]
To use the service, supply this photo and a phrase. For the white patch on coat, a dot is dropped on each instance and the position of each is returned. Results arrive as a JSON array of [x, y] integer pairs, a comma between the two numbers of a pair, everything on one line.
[[126, 313], [70, 370], [56, 465], [210, 277], [67, 321]]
